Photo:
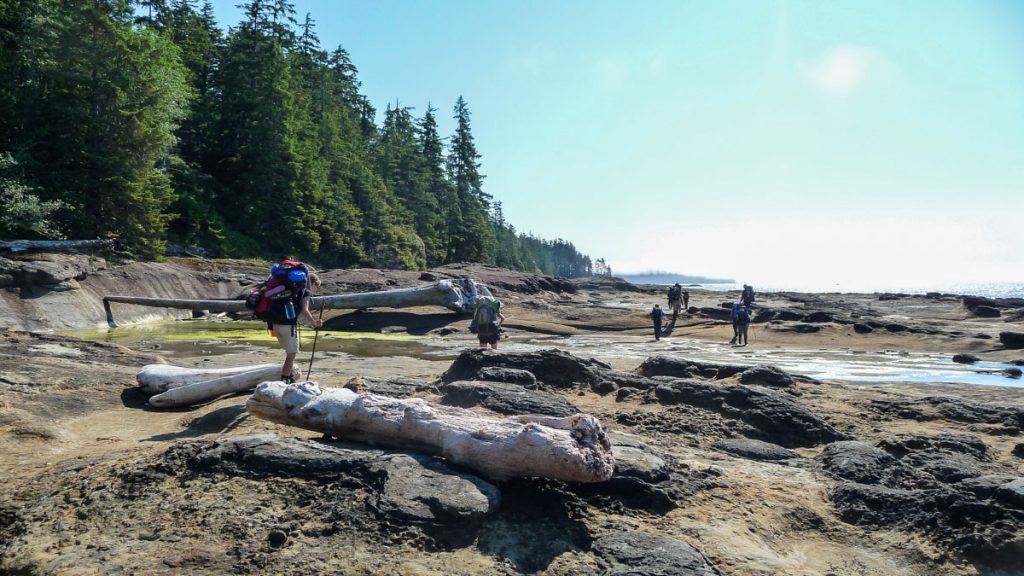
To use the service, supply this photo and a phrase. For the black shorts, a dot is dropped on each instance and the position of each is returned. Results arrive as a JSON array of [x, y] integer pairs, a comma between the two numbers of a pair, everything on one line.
[[488, 338]]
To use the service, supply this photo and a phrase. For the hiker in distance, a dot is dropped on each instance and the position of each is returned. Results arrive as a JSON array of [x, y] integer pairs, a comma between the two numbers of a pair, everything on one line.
[[675, 300], [283, 298], [657, 315], [487, 320], [748, 296], [741, 323], [686, 299]]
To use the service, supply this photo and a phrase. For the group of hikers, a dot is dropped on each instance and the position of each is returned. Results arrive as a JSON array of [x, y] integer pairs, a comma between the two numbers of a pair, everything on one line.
[[739, 314], [284, 298]]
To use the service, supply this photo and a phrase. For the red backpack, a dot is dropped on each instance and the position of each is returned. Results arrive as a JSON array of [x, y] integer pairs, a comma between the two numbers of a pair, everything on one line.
[[271, 304]]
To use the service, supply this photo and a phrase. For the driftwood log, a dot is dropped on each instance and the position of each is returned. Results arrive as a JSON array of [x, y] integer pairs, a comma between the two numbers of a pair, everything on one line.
[[458, 296], [51, 245], [573, 448], [176, 386]]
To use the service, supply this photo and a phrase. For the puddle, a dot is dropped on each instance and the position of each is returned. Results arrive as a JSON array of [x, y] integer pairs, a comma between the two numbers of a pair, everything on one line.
[[193, 338]]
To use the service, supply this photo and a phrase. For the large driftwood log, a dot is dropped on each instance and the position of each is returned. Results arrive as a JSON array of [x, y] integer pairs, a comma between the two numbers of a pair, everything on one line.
[[574, 448], [51, 245], [459, 297], [176, 386]]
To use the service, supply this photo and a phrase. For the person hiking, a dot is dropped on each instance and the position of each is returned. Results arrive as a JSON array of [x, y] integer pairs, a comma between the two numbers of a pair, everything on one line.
[[742, 325], [734, 315], [487, 319], [686, 299], [748, 295], [283, 300], [657, 314], [675, 299]]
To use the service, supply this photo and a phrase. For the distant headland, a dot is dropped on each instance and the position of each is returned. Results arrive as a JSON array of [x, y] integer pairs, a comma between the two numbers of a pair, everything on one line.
[[660, 277]]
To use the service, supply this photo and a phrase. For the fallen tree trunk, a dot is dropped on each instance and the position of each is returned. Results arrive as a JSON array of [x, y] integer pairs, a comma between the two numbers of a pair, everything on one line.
[[573, 448], [159, 378], [175, 386], [443, 293], [50, 245]]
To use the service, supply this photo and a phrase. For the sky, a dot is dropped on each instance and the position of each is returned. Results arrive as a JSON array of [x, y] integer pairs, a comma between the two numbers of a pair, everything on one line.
[[780, 143]]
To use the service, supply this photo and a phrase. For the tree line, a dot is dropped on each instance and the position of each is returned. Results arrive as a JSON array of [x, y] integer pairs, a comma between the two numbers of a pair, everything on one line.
[[143, 122]]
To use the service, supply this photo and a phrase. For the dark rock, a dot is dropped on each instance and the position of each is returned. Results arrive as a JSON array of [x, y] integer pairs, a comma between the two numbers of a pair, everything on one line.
[[510, 375], [856, 462], [1018, 362], [952, 408], [862, 328], [766, 376], [985, 531], [1012, 372], [754, 449], [771, 416], [764, 315], [966, 444], [801, 328], [551, 367], [505, 398], [395, 386], [1012, 339], [715, 313], [1018, 451], [606, 387], [965, 358], [624, 393], [446, 331], [789, 315], [983, 336], [1012, 493], [945, 468], [986, 312], [428, 277], [818, 317], [973, 302], [679, 368], [893, 327], [639, 463], [415, 493], [277, 539], [414, 488], [639, 554]]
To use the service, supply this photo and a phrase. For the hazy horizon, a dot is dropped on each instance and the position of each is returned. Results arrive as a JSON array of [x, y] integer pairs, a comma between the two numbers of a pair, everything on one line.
[[776, 143]]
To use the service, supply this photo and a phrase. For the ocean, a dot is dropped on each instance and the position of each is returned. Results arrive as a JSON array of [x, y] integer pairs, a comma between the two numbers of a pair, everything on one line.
[[988, 290]]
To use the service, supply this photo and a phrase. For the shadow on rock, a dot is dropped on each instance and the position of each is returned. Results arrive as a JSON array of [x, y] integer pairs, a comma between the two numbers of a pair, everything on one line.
[[539, 521]]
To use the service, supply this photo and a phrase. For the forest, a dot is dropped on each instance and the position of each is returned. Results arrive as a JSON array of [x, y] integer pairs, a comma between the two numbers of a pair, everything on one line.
[[147, 124]]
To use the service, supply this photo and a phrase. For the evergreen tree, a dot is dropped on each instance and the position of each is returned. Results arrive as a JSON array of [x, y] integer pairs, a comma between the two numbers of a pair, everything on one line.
[[471, 237], [98, 102]]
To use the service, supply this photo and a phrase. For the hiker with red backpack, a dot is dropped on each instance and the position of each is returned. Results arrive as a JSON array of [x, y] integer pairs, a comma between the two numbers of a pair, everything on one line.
[[282, 299]]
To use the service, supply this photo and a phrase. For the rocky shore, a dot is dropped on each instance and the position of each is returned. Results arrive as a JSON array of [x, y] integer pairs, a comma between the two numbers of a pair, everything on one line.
[[724, 465]]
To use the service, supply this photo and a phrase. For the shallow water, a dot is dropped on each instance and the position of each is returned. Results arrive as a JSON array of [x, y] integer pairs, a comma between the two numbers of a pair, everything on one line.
[[192, 338], [186, 339]]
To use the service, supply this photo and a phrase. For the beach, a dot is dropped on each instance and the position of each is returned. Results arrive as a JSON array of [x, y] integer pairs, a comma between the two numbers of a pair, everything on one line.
[[842, 440]]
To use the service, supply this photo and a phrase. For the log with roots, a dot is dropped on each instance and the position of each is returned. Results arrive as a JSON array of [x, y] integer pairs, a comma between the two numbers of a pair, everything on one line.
[[573, 448], [175, 386], [459, 296]]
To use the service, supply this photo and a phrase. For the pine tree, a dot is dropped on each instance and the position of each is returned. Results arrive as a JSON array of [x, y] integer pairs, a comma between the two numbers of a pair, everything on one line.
[[98, 116], [471, 237]]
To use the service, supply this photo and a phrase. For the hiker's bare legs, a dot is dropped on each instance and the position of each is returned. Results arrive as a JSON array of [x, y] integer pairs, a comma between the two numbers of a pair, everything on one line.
[[289, 364]]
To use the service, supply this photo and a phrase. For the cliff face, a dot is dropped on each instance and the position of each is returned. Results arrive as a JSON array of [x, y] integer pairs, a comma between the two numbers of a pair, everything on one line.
[[65, 291]]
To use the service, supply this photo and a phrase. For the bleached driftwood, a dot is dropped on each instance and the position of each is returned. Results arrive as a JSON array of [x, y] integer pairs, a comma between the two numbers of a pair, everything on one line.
[[51, 245], [456, 296], [177, 386], [573, 448]]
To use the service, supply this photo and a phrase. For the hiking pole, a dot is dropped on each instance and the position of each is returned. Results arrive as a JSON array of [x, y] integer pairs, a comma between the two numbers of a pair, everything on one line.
[[316, 335]]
